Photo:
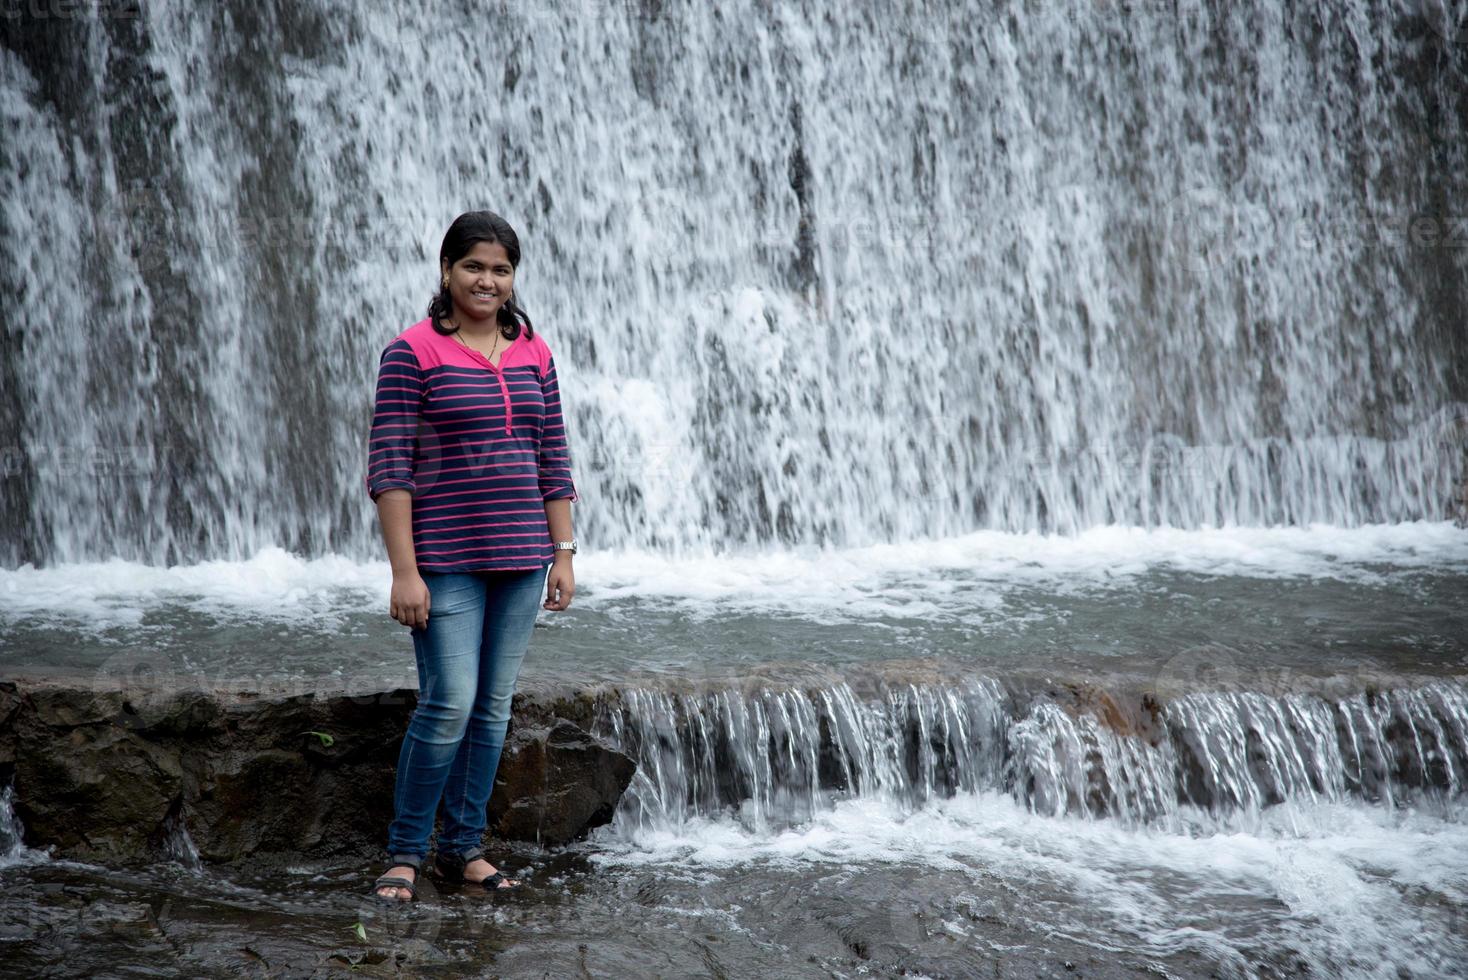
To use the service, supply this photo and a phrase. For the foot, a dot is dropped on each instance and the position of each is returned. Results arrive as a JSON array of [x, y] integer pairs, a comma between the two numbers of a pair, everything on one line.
[[393, 891], [477, 870]]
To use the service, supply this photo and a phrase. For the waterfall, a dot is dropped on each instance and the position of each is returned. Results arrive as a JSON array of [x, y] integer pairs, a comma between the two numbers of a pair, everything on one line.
[[12, 831], [176, 841], [813, 273], [774, 757]]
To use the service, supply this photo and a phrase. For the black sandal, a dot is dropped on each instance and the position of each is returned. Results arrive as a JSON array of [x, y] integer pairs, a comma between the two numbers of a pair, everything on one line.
[[451, 867], [398, 881]]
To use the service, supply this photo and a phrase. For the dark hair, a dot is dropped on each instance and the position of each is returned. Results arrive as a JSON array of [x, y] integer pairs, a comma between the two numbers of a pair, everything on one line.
[[469, 229]]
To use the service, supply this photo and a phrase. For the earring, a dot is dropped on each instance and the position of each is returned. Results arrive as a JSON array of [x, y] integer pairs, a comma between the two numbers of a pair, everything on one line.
[[445, 283]]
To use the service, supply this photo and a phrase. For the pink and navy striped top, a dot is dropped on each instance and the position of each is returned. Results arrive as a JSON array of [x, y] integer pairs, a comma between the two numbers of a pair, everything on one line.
[[481, 448]]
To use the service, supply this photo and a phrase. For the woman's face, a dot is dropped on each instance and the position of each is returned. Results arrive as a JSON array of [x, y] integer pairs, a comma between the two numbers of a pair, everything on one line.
[[480, 282]]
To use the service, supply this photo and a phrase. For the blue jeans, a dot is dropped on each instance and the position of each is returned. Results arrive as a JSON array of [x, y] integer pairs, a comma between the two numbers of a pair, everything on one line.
[[469, 657]]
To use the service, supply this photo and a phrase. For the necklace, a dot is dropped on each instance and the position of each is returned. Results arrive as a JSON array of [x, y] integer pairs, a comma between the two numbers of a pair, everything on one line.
[[459, 334]]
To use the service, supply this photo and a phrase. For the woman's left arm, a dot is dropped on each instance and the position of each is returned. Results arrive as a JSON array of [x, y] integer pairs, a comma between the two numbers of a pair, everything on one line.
[[560, 585], [557, 489]]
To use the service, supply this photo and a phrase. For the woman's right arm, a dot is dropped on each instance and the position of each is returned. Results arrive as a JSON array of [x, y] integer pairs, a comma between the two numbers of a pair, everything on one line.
[[392, 476], [409, 601]]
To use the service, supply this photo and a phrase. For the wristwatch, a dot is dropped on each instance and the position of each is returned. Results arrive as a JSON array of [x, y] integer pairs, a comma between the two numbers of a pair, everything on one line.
[[566, 546]]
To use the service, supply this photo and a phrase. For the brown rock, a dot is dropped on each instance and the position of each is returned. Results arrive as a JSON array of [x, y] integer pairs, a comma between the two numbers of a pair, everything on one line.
[[97, 772], [98, 792], [555, 784]]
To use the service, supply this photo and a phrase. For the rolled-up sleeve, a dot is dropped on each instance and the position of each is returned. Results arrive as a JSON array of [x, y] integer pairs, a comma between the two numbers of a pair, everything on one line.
[[392, 446], [555, 452]]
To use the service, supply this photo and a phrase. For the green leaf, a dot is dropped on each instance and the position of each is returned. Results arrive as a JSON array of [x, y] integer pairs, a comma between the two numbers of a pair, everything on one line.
[[360, 930], [326, 740]]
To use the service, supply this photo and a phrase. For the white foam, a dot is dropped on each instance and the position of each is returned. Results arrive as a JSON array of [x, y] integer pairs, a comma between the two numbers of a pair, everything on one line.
[[273, 585], [1340, 883], [922, 577], [915, 579]]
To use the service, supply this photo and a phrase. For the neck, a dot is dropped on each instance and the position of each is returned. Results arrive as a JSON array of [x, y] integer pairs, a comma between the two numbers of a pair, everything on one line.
[[471, 327]]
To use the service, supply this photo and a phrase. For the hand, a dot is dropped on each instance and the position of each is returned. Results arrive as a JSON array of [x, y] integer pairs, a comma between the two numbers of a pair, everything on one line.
[[410, 600], [560, 586]]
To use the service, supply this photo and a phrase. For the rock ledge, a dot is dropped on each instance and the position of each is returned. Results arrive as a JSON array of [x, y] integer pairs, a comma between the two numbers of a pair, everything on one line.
[[104, 774]]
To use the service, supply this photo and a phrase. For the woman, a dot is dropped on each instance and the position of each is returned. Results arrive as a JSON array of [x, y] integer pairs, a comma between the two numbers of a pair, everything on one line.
[[471, 473]]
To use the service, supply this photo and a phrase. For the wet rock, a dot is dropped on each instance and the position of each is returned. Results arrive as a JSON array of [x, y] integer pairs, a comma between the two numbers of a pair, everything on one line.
[[101, 789], [1128, 718], [103, 775], [256, 800], [555, 784]]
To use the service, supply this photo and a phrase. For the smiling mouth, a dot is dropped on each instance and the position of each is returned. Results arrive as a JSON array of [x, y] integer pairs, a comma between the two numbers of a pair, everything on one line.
[[483, 296]]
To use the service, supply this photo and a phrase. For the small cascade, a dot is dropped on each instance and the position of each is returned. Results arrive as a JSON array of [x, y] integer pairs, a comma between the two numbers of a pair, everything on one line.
[[772, 758], [12, 831], [1250, 751], [177, 843]]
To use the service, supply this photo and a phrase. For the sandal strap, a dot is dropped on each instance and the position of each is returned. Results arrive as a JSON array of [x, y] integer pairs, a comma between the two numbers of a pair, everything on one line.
[[395, 881], [392, 881]]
